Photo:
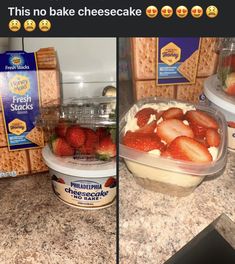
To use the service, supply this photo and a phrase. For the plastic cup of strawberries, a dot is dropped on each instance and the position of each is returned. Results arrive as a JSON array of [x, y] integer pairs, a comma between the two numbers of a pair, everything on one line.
[[226, 71]]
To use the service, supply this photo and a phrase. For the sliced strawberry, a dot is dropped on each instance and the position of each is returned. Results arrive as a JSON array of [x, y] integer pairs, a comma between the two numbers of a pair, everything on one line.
[[166, 154], [169, 129], [158, 114], [201, 119], [144, 115], [199, 131], [173, 113], [61, 128], [144, 142], [75, 136], [61, 148], [212, 137], [231, 124], [185, 148], [89, 147], [106, 149], [202, 141], [148, 128]]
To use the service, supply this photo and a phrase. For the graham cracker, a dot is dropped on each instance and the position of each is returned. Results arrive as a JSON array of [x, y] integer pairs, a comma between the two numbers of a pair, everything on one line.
[[3, 137], [145, 89], [208, 58], [49, 87], [46, 58], [190, 92], [5, 164], [36, 136], [36, 161], [144, 58], [19, 161], [1, 120], [188, 68]]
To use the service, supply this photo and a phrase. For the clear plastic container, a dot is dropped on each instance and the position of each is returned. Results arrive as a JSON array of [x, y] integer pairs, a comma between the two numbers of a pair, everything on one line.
[[223, 103], [81, 150], [89, 113], [173, 177], [226, 67]]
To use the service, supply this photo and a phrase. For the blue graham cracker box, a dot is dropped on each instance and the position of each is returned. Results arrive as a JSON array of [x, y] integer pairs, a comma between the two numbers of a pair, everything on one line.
[[177, 60], [20, 98]]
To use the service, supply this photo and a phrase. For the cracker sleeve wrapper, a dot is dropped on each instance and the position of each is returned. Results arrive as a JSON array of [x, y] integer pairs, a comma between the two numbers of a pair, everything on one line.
[[177, 60], [20, 97]]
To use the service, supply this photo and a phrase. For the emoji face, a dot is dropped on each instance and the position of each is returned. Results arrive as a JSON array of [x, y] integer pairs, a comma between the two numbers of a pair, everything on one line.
[[151, 11], [29, 25], [212, 11], [14, 25], [196, 11], [181, 11], [45, 25], [167, 11]]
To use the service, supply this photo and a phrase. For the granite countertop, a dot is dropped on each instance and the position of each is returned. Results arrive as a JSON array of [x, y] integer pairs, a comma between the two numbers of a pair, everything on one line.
[[154, 226], [36, 227]]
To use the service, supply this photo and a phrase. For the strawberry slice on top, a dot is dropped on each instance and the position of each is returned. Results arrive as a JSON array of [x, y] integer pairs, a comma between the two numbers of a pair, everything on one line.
[[169, 129], [148, 128], [212, 137], [142, 141], [201, 118], [143, 116], [199, 131], [173, 113], [189, 149]]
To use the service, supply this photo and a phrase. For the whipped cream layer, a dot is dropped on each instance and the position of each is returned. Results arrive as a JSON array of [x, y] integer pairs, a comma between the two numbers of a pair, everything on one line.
[[131, 121]]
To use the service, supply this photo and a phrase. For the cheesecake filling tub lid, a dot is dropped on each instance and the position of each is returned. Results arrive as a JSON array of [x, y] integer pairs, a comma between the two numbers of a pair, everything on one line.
[[79, 167]]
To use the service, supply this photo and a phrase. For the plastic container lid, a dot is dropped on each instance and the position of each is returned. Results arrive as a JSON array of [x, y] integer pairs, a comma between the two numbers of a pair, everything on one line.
[[95, 111], [216, 95], [79, 168]]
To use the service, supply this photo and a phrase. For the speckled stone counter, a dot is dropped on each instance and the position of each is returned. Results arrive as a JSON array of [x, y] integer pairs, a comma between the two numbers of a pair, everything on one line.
[[35, 227], [154, 226]]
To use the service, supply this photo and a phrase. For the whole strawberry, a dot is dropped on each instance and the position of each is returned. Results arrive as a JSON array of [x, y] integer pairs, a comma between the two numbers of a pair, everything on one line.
[[61, 148], [91, 142], [102, 132], [106, 149], [75, 136], [61, 128]]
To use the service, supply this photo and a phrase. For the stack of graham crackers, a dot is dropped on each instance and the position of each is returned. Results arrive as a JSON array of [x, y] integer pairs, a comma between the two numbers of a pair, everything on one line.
[[143, 51], [29, 161]]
